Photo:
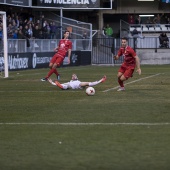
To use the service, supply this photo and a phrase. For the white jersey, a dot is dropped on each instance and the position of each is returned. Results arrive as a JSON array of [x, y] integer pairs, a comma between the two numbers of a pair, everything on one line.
[[73, 84]]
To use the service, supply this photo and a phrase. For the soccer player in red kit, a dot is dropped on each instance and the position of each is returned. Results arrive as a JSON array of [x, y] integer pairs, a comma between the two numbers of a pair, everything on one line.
[[64, 46], [131, 60]]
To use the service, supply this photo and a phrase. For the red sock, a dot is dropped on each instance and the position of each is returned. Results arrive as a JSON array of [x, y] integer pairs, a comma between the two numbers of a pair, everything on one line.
[[50, 72], [56, 72], [120, 83]]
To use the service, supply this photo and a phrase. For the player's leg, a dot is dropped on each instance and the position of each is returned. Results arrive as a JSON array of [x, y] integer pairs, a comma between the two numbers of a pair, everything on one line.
[[120, 76], [126, 75], [52, 61], [59, 61], [82, 84], [121, 79]]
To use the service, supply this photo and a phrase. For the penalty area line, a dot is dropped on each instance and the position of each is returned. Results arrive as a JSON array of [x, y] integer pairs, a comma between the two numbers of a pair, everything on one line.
[[89, 124], [133, 81]]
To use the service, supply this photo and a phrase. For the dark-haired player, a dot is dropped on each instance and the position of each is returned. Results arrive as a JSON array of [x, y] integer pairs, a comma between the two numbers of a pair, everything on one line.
[[131, 60], [64, 46]]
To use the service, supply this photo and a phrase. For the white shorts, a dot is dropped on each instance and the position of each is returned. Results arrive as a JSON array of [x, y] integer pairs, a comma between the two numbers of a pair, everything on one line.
[[75, 84]]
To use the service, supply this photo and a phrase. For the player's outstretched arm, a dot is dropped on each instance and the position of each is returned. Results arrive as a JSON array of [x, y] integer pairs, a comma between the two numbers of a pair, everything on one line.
[[69, 55], [51, 82]]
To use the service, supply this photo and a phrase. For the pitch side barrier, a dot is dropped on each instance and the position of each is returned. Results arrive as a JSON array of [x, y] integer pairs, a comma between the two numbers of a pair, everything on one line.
[[38, 52], [105, 47]]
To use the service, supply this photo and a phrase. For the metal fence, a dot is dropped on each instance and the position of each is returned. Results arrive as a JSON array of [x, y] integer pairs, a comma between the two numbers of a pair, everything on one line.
[[45, 45], [104, 48], [101, 49], [76, 28]]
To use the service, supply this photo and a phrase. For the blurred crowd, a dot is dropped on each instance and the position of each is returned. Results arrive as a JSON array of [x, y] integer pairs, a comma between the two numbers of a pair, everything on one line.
[[21, 25], [154, 21]]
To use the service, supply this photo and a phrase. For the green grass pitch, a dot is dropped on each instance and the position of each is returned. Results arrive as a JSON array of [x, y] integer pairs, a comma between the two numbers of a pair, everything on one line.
[[44, 127]]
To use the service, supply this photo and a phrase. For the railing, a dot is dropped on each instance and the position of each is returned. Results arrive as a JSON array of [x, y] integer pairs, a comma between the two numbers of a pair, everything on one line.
[[45, 45], [150, 28], [105, 48]]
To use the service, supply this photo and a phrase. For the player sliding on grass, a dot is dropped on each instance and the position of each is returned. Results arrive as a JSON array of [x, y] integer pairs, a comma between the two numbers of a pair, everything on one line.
[[131, 60], [74, 83]]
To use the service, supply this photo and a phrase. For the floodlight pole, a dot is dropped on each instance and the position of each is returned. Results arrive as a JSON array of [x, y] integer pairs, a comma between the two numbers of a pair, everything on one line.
[[61, 22]]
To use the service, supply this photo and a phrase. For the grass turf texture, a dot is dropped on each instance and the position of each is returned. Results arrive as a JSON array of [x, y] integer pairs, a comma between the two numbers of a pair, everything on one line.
[[30, 144]]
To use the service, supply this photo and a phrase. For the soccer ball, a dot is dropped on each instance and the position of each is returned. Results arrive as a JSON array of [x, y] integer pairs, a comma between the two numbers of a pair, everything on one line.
[[90, 91]]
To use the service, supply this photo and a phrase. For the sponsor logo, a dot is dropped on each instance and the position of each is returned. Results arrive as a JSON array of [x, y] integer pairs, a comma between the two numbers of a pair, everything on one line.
[[39, 60], [84, 2], [1, 63], [74, 58], [93, 1], [15, 62]]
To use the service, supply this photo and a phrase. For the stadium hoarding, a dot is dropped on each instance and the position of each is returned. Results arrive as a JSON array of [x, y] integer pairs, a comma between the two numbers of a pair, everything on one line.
[[71, 4], [25, 3], [58, 4], [22, 61]]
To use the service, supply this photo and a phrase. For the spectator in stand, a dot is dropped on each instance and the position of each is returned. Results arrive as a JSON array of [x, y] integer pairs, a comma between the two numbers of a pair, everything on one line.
[[9, 31], [157, 21], [0, 19], [131, 19], [15, 34], [136, 34], [30, 31], [42, 19], [167, 22], [41, 36], [36, 32], [53, 30], [104, 31], [20, 27], [1, 33], [38, 24], [45, 29], [163, 40], [149, 23], [9, 20], [26, 35], [17, 21], [138, 21], [1, 37], [20, 43], [20, 34], [14, 26], [48, 31], [21, 22], [109, 31], [85, 40]]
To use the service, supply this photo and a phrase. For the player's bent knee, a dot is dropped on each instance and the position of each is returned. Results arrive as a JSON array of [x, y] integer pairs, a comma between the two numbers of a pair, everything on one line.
[[123, 78]]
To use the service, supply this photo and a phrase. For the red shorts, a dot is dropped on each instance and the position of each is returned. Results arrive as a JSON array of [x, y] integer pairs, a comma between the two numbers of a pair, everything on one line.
[[57, 59], [126, 70]]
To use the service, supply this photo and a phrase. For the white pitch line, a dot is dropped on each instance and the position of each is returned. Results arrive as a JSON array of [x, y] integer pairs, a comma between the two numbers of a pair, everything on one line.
[[62, 91], [134, 81], [90, 124]]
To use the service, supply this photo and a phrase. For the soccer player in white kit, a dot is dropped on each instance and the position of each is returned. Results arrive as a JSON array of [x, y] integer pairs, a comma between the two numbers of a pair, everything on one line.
[[74, 83]]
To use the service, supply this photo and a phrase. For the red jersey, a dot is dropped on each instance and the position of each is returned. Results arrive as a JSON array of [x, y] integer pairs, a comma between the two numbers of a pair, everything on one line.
[[131, 19], [128, 54], [64, 46]]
